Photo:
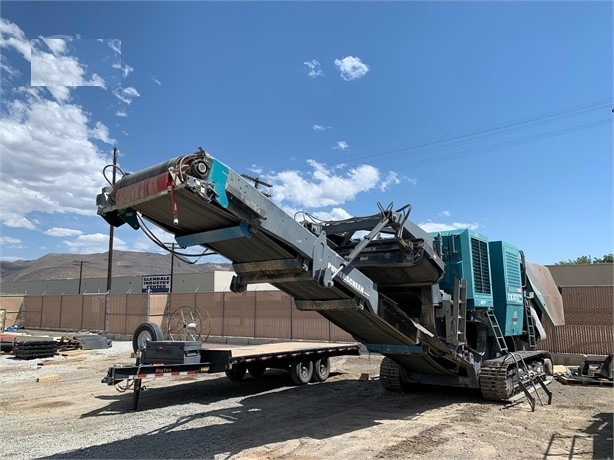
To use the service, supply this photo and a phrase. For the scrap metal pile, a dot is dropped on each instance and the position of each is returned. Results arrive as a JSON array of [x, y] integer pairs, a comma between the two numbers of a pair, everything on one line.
[[592, 371]]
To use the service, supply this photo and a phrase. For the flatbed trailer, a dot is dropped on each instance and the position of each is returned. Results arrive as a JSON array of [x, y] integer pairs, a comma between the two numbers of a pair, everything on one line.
[[305, 361]]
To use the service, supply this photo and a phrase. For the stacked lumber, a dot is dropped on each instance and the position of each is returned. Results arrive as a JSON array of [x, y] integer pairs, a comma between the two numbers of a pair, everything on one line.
[[69, 343]]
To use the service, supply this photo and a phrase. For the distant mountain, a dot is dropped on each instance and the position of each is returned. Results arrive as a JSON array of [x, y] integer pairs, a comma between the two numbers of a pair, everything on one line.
[[125, 263]]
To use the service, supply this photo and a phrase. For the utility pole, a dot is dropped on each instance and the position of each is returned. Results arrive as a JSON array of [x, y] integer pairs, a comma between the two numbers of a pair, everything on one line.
[[110, 265], [80, 262], [111, 229], [80, 277]]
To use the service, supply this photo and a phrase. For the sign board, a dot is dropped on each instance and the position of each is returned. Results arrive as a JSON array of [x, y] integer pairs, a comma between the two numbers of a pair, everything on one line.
[[156, 283]]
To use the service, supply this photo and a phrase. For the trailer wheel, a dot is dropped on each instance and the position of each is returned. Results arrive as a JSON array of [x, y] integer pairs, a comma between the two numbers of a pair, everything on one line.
[[548, 367], [256, 371], [301, 372], [146, 332], [321, 369], [236, 374]]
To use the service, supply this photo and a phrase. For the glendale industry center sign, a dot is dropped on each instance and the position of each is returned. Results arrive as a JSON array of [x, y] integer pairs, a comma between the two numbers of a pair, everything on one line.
[[156, 283]]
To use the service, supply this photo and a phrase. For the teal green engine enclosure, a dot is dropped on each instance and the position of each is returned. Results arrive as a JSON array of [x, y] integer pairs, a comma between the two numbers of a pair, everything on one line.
[[465, 254], [507, 286]]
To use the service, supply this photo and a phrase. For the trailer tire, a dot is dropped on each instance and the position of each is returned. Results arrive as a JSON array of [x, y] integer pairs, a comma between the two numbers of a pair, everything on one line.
[[548, 367], [301, 372], [236, 374], [256, 371], [321, 369], [146, 332]]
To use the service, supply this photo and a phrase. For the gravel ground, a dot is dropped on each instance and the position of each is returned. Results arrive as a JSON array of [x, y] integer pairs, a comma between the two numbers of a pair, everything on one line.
[[76, 416]]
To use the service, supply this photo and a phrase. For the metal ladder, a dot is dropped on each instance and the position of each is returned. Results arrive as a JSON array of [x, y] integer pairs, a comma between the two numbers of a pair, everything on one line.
[[530, 325], [494, 326]]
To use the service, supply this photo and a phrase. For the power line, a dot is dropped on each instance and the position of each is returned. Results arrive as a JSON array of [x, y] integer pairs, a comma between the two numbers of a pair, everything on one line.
[[484, 133], [409, 162]]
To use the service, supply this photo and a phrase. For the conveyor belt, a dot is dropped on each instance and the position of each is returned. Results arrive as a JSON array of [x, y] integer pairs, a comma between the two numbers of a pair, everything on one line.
[[203, 202]]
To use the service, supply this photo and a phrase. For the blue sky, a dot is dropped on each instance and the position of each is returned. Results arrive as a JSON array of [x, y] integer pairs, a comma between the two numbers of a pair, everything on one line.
[[496, 116]]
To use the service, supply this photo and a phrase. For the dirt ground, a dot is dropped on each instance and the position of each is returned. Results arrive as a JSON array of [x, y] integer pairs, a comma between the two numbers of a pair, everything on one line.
[[76, 416]]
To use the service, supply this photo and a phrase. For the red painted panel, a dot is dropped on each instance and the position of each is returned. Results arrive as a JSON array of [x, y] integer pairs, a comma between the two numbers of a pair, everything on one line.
[[126, 196]]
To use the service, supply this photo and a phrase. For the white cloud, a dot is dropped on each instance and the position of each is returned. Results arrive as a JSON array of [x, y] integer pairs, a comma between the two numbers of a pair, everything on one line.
[[54, 69], [392, 178], [321, 128], [50, 162], [156, 81], [9, 258], [63, 172], [94, 243], [351, 68], [115, 45], [101, 132], [430, 226], [322, 188], [256, 169], [314, 68], [7, 240], [333, 214], [341, 145], [121, 113], [7, 69], [125, 95], [126, 70], [56, 45], [11, 36], [62, 232], [14, 220], [445, 213], [60, 93], [315, 216]]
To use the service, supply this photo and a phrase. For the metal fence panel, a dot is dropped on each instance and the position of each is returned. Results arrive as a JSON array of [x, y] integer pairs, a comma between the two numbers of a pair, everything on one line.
[[14, 307], [136, 312], [33, 306], [71, 312], [339, 335], [178, 300], [239, 312], [210, 305], [117, 313], [157, 308], [273, 315], [310, 325], [93, 312], [51, 311]]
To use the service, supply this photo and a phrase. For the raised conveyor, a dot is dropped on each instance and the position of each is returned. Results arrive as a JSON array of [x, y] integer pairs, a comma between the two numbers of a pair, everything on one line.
[[203, 202]]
